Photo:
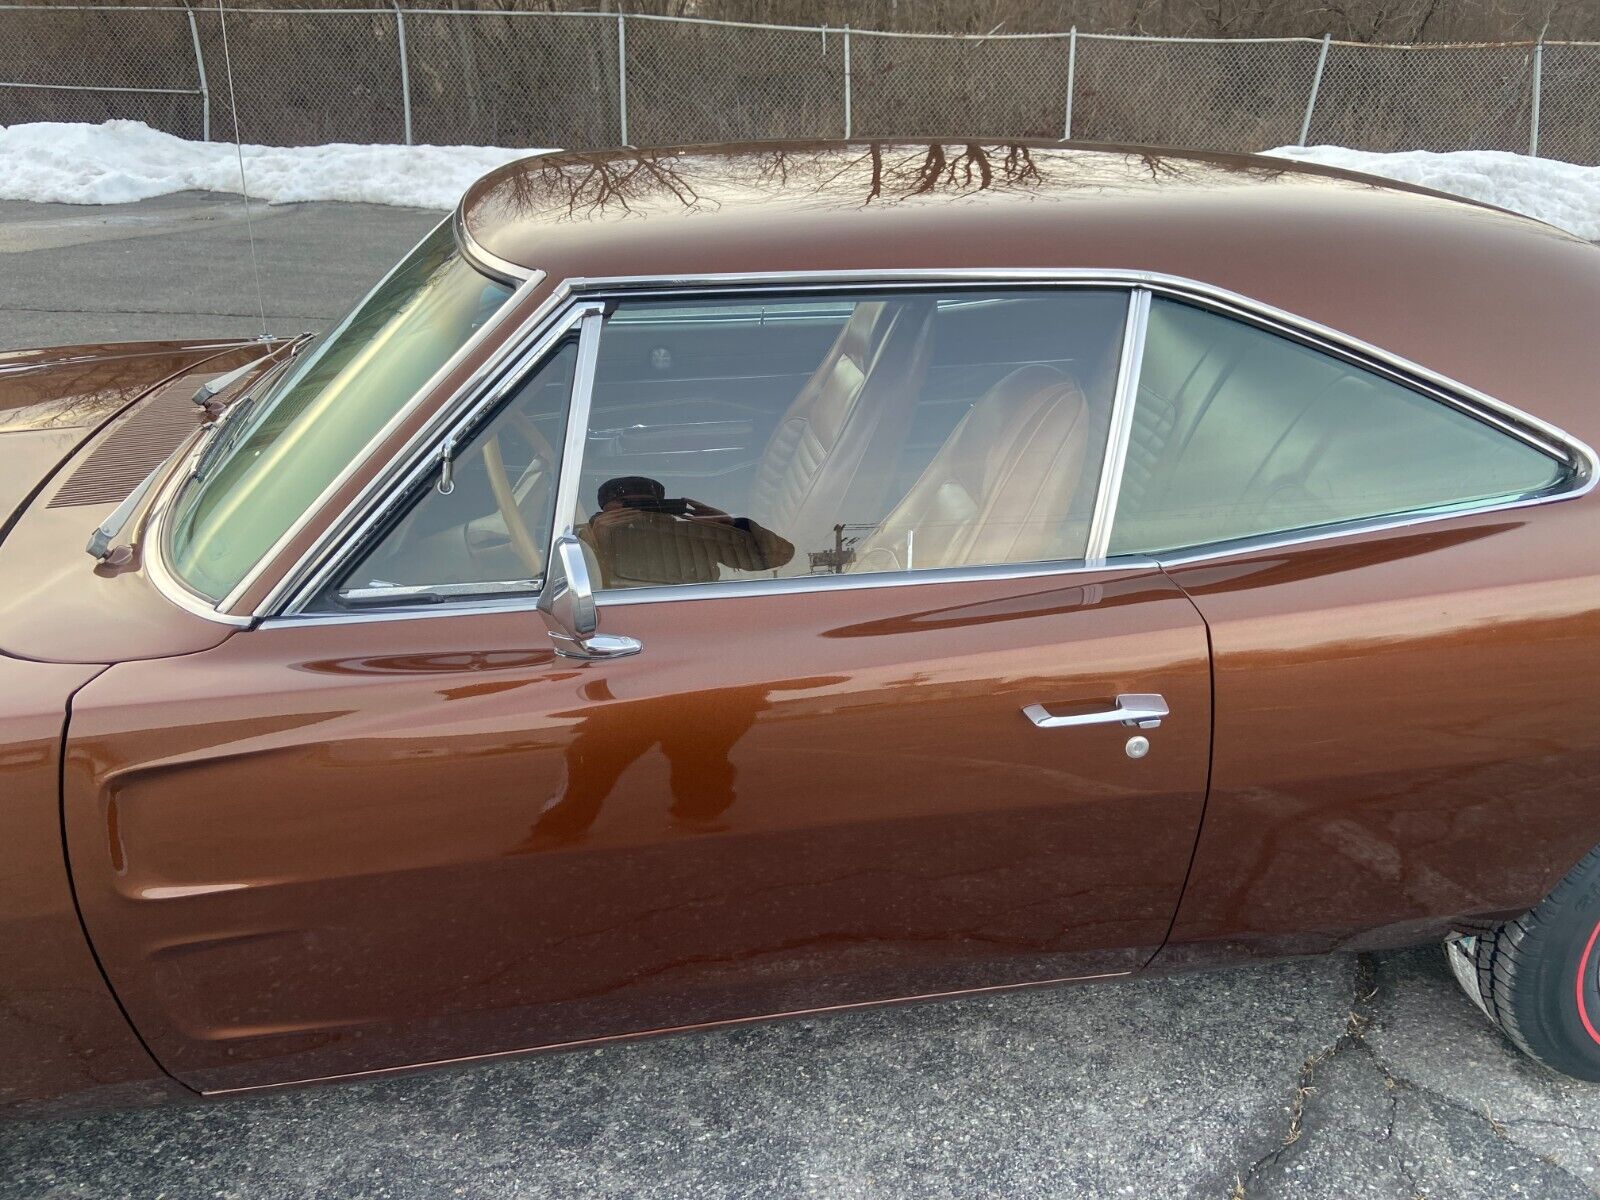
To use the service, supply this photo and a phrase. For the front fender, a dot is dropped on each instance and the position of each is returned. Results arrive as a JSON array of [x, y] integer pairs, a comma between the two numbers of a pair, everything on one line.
[[64, 1043]]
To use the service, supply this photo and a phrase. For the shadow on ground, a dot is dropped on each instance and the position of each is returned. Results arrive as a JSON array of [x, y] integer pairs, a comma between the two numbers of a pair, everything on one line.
[[1343, 1077]]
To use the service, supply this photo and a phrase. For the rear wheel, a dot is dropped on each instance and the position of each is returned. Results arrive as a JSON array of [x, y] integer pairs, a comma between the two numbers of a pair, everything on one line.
[[1538, 976]]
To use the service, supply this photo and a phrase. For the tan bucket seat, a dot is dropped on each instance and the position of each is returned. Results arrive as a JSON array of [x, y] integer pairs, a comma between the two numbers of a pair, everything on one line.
[[1007, 486], [832, 457]]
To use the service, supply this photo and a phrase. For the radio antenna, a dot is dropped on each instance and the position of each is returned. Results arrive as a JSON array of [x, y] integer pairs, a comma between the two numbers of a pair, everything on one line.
[[244, 187]]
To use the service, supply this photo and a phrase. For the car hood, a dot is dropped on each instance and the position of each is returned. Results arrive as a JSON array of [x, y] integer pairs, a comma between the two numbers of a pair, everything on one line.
[[80, 426], [52, 400]]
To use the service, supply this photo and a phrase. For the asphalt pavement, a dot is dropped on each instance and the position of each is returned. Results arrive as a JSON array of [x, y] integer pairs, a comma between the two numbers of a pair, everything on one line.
[[1352, 1077], [180, 266]]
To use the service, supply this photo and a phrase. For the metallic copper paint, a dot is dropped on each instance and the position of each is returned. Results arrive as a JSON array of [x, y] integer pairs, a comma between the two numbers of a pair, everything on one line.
[[78, 387], [340, 848], [313, 850], [1378, 260], [56, 605], [1407, 731], [63, 1042]]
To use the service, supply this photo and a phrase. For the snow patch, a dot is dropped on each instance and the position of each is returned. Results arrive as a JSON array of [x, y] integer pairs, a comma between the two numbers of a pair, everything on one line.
[[120, 161], [1563, 194]]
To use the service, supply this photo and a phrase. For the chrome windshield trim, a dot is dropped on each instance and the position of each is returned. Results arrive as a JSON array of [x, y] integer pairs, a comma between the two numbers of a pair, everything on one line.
[[733, 589], [1578, 456], [491, 264], [329, 335], [402, 414], [1123, 399], [543, 329], [230, 601], [153, 553], [171, 487]]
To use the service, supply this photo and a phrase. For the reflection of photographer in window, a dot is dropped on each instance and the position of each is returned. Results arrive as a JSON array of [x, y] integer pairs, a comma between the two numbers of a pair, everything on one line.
[[642, 538]]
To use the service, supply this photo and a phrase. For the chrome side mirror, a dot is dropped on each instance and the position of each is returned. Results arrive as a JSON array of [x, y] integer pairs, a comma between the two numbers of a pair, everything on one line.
[[567, 604]]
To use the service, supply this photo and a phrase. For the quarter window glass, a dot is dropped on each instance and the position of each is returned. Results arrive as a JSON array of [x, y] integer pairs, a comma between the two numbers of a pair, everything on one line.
[[1239, 432], [490, 525], [739, 440]]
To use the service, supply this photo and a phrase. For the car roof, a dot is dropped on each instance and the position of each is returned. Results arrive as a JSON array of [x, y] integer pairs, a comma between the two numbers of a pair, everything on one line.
[[760, 207], [1498, 301]]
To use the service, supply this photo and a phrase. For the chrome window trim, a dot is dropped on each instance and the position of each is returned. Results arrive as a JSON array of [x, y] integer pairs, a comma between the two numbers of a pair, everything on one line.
[[1542, 435], [529, 587], [1531, 429], [1257, 543], [798, 584], [402, 414], [526, 602], [1115, 453], [490, 264], [482, 392], [182, 595], [577, 432]]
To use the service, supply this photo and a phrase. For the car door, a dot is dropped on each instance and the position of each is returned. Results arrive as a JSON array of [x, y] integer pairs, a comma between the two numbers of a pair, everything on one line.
[[935, 745], [1403, 630]]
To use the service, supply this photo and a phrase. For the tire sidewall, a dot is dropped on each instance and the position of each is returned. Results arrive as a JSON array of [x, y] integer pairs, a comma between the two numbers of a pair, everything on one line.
[[1555, 994]]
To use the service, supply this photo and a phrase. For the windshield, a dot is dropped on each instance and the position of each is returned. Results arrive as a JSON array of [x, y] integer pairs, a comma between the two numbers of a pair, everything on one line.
[[323, 413]]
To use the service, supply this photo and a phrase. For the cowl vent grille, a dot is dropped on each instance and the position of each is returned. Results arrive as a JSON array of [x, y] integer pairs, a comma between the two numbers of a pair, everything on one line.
[[135, 445]]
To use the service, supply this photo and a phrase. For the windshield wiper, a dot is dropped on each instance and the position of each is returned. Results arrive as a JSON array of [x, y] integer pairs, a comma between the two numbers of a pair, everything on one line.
[[224, 433], [215, 386], [218, 438], [99, 547], [100, 542]]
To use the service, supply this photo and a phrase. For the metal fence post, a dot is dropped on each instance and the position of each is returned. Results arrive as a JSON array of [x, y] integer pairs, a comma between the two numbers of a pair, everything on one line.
[[1072, 80], [1538, 80], [622, 73], [200, 70], [1316, 86], [405, 71], [849, 116]]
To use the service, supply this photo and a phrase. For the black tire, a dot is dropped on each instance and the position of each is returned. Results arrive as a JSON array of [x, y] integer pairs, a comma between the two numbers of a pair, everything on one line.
[[1539, 975]]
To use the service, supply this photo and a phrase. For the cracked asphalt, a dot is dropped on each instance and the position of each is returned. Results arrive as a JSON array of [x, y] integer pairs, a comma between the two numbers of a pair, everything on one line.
[[1348, 1078]]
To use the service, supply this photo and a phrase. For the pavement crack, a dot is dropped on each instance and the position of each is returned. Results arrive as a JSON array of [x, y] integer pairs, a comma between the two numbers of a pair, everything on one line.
[[1498, 1127], [1363, 1016], [1363, 990]]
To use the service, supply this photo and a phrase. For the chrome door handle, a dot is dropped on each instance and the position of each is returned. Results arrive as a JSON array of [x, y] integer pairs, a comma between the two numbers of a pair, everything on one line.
[[1139, 710]]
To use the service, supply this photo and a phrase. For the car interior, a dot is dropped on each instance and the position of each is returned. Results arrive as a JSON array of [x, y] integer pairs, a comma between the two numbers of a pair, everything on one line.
[[1239, 431], [747, 439], [872, 433]]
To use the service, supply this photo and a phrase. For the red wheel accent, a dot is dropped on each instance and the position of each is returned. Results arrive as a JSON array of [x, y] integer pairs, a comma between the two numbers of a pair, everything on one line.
[[1583, 970]]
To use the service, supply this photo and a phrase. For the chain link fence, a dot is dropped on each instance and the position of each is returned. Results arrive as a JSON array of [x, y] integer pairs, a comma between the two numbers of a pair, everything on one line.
[[585, 80]]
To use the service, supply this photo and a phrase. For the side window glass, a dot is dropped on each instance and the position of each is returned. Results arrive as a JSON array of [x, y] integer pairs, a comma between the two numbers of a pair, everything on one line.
[[849, 434], [1239, 432], [490, 530]]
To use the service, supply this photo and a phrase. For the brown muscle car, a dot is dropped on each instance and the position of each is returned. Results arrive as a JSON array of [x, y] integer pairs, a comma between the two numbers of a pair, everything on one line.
[[710, 584]]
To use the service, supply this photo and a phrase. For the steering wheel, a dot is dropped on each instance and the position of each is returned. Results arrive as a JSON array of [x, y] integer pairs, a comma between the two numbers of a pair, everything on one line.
[[530, 494]]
